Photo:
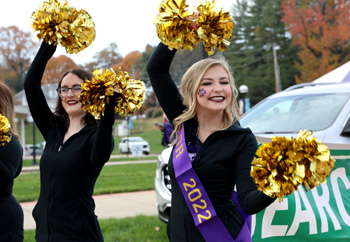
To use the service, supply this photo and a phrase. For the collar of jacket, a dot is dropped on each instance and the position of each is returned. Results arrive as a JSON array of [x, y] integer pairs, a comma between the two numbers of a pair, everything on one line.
[[62, 131], [235, 127]]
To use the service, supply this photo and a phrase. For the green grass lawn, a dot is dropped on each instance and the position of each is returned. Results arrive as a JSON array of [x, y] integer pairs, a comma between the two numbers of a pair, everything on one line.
[[28, 162], [113, 179], [142, 127], [132, 229]]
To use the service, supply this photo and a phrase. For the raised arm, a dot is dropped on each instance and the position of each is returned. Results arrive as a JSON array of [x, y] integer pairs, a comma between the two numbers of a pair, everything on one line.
[[250, 198], [163, 85], [38, 106], [103, 142]]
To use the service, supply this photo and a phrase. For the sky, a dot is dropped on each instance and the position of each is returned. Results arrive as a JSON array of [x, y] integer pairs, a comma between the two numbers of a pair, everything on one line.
[[128, 23]]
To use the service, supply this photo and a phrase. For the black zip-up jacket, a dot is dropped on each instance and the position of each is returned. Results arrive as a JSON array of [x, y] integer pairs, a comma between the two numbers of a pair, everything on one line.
[[11, 213], [222, 162], [68, 171]]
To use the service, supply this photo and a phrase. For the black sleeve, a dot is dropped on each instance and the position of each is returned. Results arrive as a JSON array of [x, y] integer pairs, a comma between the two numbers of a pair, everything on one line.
[[163, 85], [103, 142], [10, 162], [38, 106], [250, 198]]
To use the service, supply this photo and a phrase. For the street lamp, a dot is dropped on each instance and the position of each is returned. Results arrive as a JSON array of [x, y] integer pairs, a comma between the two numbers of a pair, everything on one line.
[[243, 89]]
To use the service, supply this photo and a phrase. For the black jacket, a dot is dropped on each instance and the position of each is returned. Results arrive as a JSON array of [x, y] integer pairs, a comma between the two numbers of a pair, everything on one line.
[[11, 213], [68, 172], [223, 161]]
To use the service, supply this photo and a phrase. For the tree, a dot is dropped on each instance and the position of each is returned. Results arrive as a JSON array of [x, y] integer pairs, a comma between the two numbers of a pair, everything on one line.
[[130, 64], [17, 49], [257, 27], [56, 67], [11, 79], [183, 60], [90, 66], [143, 64], [107, 57], [322, 30]]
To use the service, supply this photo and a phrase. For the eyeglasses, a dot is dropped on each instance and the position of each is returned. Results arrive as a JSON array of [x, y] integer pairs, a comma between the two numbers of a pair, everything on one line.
[[63, 91]]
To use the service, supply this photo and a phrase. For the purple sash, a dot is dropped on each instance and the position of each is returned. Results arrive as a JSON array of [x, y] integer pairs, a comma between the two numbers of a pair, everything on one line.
[[197, 200]]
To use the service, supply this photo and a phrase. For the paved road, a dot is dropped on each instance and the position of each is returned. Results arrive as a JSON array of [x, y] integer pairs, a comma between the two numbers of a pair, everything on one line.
[[117, 205]]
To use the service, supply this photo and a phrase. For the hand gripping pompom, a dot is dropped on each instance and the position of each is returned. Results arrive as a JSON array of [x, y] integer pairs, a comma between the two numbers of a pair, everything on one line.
[[96, 92]]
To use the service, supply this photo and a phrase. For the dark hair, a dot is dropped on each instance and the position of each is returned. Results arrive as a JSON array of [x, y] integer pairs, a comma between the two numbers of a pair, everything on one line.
[[60, 112]]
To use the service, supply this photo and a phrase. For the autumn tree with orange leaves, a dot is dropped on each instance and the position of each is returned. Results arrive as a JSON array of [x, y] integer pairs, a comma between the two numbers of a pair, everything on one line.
[[322, 29], [16, 50], [130, 64], [55, 68]]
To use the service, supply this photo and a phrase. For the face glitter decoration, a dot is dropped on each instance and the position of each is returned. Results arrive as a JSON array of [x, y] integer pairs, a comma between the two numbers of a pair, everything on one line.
[[201, 92]]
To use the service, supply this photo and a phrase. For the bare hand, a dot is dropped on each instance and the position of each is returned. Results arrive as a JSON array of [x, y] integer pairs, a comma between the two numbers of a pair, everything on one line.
[[116, 89], [193, 18]]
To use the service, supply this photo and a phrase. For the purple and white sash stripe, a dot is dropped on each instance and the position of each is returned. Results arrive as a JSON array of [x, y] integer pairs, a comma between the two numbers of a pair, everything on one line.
[[197, 200]]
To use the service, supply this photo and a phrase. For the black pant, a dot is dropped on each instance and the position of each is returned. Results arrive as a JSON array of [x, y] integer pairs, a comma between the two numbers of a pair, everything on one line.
[[10, 237]]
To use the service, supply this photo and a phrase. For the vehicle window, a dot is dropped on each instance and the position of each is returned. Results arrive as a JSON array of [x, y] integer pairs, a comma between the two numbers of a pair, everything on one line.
[[135, 139], [291, 114]]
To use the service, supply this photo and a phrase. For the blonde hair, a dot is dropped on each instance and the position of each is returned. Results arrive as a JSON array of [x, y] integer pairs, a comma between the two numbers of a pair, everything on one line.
[[7, 107], [189, 85]]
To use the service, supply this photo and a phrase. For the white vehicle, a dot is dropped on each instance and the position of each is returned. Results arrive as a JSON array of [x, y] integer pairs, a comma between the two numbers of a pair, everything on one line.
[[29, 150], [127, 144], [319, 107]]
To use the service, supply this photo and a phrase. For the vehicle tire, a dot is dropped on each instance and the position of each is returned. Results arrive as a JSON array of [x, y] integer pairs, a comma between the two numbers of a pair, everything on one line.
[[146, 152]]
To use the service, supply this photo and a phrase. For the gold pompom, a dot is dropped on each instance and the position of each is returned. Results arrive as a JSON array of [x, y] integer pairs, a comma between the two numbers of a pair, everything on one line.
[[64, 24], [133, 94], [5, 136], [172, 25], [214, 28], [285, 163], [95, 93]]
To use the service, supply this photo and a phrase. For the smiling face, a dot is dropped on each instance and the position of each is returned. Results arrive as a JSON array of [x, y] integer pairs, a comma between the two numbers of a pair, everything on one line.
[[70, 101], [214, 93]]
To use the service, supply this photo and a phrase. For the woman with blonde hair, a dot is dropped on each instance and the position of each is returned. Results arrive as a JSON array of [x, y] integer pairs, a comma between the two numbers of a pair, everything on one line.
[[212, 153], [11, 152]]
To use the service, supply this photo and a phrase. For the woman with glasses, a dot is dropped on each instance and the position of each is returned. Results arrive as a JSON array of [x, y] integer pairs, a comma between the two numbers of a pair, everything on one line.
[[76, 149], [11, 152]]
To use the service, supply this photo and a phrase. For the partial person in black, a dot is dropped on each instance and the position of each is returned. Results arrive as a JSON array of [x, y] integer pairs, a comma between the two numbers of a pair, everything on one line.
[[11, 213], [76, 149], [221, 151]]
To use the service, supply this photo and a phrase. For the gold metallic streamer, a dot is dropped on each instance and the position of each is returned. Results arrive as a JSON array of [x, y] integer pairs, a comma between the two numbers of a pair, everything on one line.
[[172, 25], [95, 93], [5, 136], [285, 163], [64, 24]]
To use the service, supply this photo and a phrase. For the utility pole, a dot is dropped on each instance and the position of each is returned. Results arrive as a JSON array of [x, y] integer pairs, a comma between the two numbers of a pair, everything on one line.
[[277, 70], [34, 148]]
